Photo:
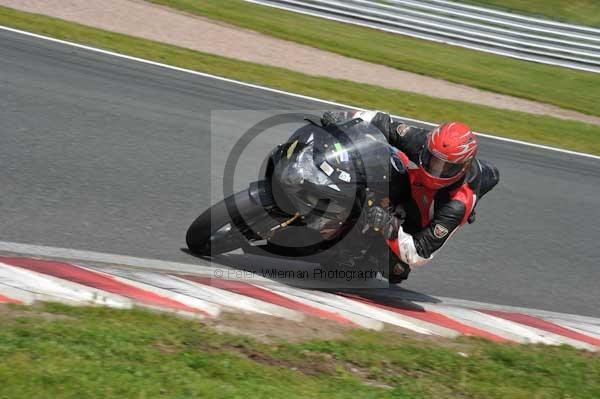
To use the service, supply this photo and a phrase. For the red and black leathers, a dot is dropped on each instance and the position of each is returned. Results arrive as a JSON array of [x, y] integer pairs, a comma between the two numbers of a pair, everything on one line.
[[432, 216]]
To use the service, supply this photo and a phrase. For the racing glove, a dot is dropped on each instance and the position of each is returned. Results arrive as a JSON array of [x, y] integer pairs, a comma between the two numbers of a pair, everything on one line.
[[381, 220]]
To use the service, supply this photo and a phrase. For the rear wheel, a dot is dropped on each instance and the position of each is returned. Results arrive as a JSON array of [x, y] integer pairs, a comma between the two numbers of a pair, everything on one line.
[[216, 231]]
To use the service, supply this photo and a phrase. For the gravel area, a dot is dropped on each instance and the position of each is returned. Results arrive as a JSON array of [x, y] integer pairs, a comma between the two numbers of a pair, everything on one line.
[[146, 20]]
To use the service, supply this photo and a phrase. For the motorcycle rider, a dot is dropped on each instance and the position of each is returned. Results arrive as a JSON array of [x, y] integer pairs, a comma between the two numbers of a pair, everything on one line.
[[436, 182]]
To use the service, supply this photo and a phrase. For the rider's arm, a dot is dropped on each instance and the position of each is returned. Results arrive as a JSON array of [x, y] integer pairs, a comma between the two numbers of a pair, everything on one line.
[[419, 248], [398, 134], [336, 117]]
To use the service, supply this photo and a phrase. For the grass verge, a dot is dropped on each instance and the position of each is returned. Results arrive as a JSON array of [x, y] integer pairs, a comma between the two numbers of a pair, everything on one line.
[[582, 12], [564, 87], [546, 130], [55, 351]]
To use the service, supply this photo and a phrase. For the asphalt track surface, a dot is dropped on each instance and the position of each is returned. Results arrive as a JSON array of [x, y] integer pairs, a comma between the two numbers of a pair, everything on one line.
[[104, 154]]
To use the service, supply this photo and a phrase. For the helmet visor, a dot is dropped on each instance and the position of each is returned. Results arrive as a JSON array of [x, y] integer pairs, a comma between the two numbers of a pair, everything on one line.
[[438, 167]]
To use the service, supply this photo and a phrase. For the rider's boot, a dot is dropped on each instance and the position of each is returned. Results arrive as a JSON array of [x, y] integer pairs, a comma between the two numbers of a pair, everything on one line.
[[398, 272]]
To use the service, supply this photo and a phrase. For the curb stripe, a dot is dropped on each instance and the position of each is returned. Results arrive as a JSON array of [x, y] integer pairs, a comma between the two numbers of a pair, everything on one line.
[[434, 318], [29, 286], [358, 319], [542, 324], [160, 284], [235, 302], [591, 330], [268, 296], [103, 282], [346, 305], [4, 299], [23, 297], [25, 280], [503, 328]]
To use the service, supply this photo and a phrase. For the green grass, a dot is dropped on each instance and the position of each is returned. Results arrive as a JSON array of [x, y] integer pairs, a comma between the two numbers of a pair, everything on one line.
[[564, 87], [546, 130], [582, 12], [61, 352]]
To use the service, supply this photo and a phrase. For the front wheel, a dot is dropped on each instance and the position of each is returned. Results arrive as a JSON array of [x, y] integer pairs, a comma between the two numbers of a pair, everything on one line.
[[216, 231]]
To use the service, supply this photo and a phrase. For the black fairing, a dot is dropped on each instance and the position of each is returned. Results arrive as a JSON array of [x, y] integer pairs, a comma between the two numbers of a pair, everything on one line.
[[325, 171]]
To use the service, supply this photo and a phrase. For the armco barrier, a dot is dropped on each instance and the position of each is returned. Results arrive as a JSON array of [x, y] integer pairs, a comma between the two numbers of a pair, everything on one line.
[[478, 28]]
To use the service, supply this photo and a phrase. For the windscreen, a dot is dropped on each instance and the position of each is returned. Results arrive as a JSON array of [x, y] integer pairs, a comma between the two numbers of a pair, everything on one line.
[[356, 151]]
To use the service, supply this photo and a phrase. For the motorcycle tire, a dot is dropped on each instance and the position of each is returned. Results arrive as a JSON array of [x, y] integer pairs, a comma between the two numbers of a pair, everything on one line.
[[216, 231]]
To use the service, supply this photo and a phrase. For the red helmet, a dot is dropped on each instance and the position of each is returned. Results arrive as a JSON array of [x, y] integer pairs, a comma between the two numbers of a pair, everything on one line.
[[449, 151]]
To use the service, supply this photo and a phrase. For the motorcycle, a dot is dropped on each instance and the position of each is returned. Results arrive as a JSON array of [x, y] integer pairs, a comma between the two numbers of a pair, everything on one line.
[[316, 188]]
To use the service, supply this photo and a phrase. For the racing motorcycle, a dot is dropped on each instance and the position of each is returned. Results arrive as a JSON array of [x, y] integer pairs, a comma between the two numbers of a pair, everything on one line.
[[315, 189]]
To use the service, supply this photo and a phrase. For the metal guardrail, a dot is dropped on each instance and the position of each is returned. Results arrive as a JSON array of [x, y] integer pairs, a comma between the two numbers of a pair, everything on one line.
[[473, 27]]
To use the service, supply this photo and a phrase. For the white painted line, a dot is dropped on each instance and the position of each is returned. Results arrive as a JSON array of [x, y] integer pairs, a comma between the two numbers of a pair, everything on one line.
[[45, 287], [237, 82]]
